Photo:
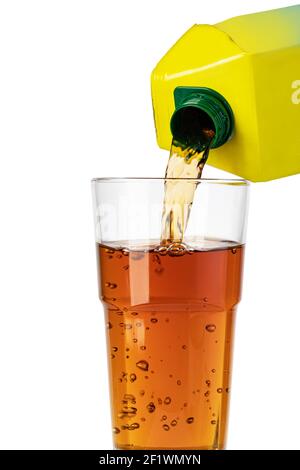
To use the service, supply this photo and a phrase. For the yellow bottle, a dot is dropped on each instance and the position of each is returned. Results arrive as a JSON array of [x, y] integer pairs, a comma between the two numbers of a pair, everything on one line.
[[253, 63]]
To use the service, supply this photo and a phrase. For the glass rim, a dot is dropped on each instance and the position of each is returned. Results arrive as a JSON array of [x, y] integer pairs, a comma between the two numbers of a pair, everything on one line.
[[229, 181]]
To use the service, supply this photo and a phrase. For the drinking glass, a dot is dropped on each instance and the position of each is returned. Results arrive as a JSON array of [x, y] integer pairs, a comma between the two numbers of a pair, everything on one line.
[[169, 309]]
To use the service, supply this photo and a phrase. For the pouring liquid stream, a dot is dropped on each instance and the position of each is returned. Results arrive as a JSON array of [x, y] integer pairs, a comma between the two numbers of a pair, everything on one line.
[[185, 162]]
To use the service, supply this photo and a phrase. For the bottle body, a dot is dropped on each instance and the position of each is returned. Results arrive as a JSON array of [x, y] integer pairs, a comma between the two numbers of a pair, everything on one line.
[[253, 62]]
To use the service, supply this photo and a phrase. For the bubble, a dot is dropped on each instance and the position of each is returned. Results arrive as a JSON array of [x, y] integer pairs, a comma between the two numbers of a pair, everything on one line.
[[161, 250], [166, 427], [138, 324], [115, 349], [126, 267], [220, 390], [134, 313], [213, 421], [109, 325], [143, 365], [125, 252], [107, 284], [173, 422], [210, 328], [130, 427], [132, 377], [206, 394], [227, 390], [112, 285], [137, 255], [184, 346], [171, 375], [109, 250], [178, 382], [127, 349], [119, 256], [134, 340], [156, 259], [185, 404], [190, 420], [213, 371], [177, 249], [129, 398], [154, 320], [164, 417], [233, 251], [205, 299], [167, 400], [113, 356], [151, 407], [143, 419], [116, 430], [159, 270], [142, 393], [127, 357], [159, 401], [213, 414], [167, 320], [146, 377], [143, 348], [208, 382]]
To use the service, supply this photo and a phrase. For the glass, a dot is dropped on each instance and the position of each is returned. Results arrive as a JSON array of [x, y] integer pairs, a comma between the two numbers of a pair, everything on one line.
[[169, 310]]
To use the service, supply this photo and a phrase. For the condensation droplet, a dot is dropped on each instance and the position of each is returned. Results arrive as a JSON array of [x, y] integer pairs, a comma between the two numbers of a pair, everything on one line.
[[143, 348], [116, 430], [178, 382], [151, 407], [115, 349], [213, 421], [190, 420], [220, 390], [166, 427], [210, 328], [143, 365], [112, 285], [132, 377], [213, 371], [167, 400], [184, 346], [154, 320], [164, 417], [134, 340], [128, 398], [206, 394], [173, 422], [208, 382]]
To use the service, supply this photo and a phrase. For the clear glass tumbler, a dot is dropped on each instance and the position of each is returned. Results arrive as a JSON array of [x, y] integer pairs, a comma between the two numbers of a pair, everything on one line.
[[169, 310]]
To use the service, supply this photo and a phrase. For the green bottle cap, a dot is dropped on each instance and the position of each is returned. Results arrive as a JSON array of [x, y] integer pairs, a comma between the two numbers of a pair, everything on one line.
[[198, 109]]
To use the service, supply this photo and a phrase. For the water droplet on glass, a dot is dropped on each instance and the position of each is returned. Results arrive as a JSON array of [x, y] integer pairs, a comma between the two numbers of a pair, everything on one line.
[[164, 417], [143, 348], [132, 377], [210, 328], [213, 421], [208, 383], [166, 427], [133, 426], [220, 390], [143, 365], [128, 398], [167, 400], [206, 394], [184, 346], [213, 371], [190, 420], [115, 349], [173, 422], [112, 285], [178, 382], [154, 320], [151, 407], [116, 430], [134, 340]]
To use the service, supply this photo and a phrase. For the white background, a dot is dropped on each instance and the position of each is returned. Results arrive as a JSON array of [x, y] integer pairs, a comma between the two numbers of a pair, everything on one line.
[[75, 104]]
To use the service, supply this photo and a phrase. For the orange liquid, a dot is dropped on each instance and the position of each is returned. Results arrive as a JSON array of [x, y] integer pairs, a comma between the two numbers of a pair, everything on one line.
[[170, 318]]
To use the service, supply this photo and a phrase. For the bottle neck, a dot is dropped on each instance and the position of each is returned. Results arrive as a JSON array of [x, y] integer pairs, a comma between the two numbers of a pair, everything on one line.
[[201, 113]]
